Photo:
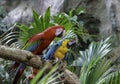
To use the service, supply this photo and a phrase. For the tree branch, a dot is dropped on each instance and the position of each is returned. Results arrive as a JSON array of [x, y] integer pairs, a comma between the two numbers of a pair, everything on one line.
[[35, 61], [20, 56]]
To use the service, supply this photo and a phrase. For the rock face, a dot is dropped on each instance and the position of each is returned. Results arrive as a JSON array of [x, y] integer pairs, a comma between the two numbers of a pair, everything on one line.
[[22, 12], [107, 11], [7, 5]]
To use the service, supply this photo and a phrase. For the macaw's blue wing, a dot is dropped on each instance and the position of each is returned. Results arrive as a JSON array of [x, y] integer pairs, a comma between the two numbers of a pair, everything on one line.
[[19, 73], [50, 52], [31, 46]]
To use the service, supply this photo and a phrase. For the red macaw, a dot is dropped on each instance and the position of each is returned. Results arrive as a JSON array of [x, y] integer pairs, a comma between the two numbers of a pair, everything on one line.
[[36, 44]]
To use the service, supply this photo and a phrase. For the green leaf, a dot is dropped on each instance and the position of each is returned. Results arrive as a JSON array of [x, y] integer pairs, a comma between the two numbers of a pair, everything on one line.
[[48, 78], [36, 19], [45, 79], [96, 49], [23, 28], [47, 18], [37, 77], [112, 78]]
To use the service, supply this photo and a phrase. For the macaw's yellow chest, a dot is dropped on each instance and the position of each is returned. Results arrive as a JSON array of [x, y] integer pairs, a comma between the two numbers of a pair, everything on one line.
[[62, 50]]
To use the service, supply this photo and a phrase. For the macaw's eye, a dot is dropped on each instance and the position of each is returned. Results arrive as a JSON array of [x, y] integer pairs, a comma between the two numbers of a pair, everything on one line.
[[59, 32]]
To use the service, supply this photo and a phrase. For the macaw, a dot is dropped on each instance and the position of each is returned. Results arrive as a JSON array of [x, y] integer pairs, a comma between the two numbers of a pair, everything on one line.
[[59, 50], [37, 44]]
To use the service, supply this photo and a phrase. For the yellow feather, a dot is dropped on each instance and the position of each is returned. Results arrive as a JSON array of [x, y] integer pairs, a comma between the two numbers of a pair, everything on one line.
[[62, 50]]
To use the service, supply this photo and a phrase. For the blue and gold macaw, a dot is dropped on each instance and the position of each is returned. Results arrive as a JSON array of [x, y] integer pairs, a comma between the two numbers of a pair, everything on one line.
[[59, 50]]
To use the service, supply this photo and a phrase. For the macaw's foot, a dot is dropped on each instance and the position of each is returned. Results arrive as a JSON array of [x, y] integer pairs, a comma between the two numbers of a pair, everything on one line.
[[34, 73], [31, 76]]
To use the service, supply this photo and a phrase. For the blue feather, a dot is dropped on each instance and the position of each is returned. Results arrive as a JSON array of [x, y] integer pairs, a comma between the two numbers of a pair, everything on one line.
[[50, 52], [31, 46]]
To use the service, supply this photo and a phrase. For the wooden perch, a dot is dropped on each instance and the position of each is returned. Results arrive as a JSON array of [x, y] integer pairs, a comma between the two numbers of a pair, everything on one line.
[[20, 56], [30, 59], [70, 77]]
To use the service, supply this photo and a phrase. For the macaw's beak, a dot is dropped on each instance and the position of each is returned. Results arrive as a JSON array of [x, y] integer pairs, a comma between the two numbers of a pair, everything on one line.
[[71, 43]]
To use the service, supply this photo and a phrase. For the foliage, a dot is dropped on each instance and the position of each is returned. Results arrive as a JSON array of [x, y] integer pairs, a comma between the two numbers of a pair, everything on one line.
[[94, 71], [95, 50], [48, 78], [112, 78], [92, 62], [40, 23], [4, 76], [70, 21], [3, 27], [10, 37], [95, 68]]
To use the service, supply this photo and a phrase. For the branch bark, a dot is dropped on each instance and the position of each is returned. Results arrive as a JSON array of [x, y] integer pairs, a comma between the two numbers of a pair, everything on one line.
[[30, 59], [21, 56]]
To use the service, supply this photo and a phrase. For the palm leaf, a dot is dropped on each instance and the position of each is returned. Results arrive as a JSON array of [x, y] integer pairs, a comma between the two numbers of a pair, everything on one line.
[[94, 65], [94, 71], [112, 78], [96, 49]]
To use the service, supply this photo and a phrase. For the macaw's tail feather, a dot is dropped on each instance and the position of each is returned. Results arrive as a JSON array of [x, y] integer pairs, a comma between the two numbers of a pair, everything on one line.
[[19, 73], [13, 66]]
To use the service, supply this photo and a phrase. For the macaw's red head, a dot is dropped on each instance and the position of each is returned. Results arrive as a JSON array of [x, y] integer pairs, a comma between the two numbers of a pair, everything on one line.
[[58, 31]]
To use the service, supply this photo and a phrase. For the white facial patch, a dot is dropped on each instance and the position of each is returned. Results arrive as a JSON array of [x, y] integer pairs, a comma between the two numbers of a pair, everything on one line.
[[58, 31]]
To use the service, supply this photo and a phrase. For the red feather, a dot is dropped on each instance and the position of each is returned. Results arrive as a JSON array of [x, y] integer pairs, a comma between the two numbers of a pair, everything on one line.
[[45, 38]]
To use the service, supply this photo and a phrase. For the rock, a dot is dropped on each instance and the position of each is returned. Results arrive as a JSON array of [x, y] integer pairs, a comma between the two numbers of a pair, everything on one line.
[[107, 11], [22, 13]]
